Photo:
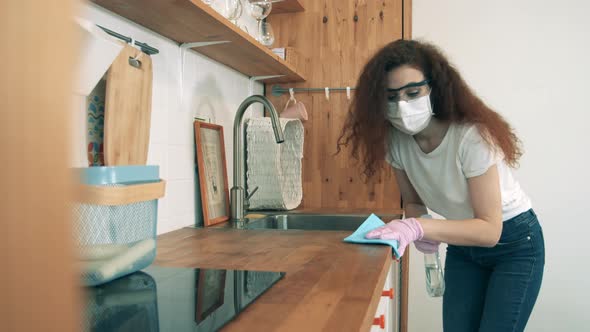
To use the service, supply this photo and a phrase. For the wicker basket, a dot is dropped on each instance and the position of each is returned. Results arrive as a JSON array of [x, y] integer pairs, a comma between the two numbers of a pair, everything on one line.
[[274, 168]]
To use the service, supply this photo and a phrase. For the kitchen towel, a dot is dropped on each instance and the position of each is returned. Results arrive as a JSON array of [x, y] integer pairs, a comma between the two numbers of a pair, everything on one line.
[[368, 225], [95, 125], [97, 52], [274, 168]]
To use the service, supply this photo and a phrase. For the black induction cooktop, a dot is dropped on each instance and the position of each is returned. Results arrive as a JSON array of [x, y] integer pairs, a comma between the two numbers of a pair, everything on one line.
[[174, 299]]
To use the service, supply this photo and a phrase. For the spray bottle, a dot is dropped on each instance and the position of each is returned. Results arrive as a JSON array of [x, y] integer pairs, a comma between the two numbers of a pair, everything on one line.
[[435, 281]]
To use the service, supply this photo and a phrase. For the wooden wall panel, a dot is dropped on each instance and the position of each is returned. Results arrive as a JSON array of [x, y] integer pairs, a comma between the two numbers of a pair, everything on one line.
[[407, 32], [38, 281], [337, 38]]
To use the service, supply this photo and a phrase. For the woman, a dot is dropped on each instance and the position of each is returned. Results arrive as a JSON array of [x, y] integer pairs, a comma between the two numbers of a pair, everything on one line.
[[451, 153]]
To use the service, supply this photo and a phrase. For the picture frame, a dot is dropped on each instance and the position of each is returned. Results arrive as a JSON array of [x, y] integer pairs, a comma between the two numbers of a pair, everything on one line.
[[212, 169], [210, 286]]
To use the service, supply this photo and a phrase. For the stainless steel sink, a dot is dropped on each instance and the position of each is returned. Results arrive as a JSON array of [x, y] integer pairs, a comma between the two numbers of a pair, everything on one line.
[[315, 222]]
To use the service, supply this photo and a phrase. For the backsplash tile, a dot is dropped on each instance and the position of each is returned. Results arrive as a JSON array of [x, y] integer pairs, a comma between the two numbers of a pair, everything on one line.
[[181, 162], [180, 197]]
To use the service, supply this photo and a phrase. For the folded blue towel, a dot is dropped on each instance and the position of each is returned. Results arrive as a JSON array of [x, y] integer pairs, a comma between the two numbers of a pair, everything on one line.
[[368, 225]]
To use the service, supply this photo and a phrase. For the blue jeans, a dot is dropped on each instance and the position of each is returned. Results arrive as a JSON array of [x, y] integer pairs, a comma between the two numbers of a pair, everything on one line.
[[495, 289]]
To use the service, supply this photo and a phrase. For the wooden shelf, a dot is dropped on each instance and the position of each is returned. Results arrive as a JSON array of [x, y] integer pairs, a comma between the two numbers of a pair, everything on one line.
[[286, 6], [187, 21]]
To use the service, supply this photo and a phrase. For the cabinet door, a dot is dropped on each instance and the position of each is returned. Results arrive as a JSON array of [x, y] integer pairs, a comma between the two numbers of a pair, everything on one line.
[[395, 303], [387, 306], [382, 310], [389, 321]]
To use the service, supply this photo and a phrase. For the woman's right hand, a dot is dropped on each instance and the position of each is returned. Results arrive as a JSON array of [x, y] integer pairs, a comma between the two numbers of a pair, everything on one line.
[[404, 231]]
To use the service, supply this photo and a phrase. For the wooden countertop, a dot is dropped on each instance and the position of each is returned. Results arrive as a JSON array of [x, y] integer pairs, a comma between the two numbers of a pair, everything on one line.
[[388, 212], [330, 285]]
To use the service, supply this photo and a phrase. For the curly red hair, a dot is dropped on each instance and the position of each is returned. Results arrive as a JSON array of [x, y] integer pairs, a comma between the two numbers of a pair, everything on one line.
[[367, 129]]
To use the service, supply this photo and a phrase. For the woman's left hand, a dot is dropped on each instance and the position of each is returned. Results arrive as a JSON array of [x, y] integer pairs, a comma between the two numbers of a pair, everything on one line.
[[404, 231], [427, 247]]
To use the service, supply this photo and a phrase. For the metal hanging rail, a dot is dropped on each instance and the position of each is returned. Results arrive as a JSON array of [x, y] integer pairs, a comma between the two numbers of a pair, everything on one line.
[[279, 91], [145, 48]]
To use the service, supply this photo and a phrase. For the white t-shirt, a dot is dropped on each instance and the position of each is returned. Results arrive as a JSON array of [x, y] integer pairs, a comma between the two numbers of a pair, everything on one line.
[[440, 177]]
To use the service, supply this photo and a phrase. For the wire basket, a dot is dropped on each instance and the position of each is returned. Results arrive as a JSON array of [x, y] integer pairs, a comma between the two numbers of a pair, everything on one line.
[[115, 217]]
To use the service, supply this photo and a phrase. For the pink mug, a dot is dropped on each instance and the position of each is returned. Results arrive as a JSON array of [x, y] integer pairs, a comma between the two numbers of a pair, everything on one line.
[[295, 111]]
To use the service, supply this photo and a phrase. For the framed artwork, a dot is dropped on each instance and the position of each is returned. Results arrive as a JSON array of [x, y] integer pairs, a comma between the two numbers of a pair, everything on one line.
[[210, 286], [210, 152]]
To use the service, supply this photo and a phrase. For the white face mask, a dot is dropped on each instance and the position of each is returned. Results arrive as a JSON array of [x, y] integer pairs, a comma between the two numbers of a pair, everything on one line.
[[410, 117]]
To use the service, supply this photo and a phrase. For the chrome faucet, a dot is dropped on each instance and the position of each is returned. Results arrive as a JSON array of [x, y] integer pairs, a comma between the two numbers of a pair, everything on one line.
[[238, 201]]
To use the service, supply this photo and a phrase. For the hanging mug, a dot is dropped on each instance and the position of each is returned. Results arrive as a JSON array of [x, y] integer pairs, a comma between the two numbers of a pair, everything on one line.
[[295, 111]]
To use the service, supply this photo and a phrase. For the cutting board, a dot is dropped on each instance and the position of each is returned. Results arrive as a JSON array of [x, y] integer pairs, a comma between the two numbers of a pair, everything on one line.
[[128, 109]]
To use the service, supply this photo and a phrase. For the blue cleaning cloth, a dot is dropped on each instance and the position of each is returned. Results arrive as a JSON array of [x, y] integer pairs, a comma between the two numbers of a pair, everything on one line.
[[368, 225]]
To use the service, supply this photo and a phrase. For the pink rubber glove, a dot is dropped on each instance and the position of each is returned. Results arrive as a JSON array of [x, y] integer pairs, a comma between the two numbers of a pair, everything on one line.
[[426, 246], [405, 231]]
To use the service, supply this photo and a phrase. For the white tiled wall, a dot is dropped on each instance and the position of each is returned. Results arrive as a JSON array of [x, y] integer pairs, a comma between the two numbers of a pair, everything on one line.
[[210, 90]]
